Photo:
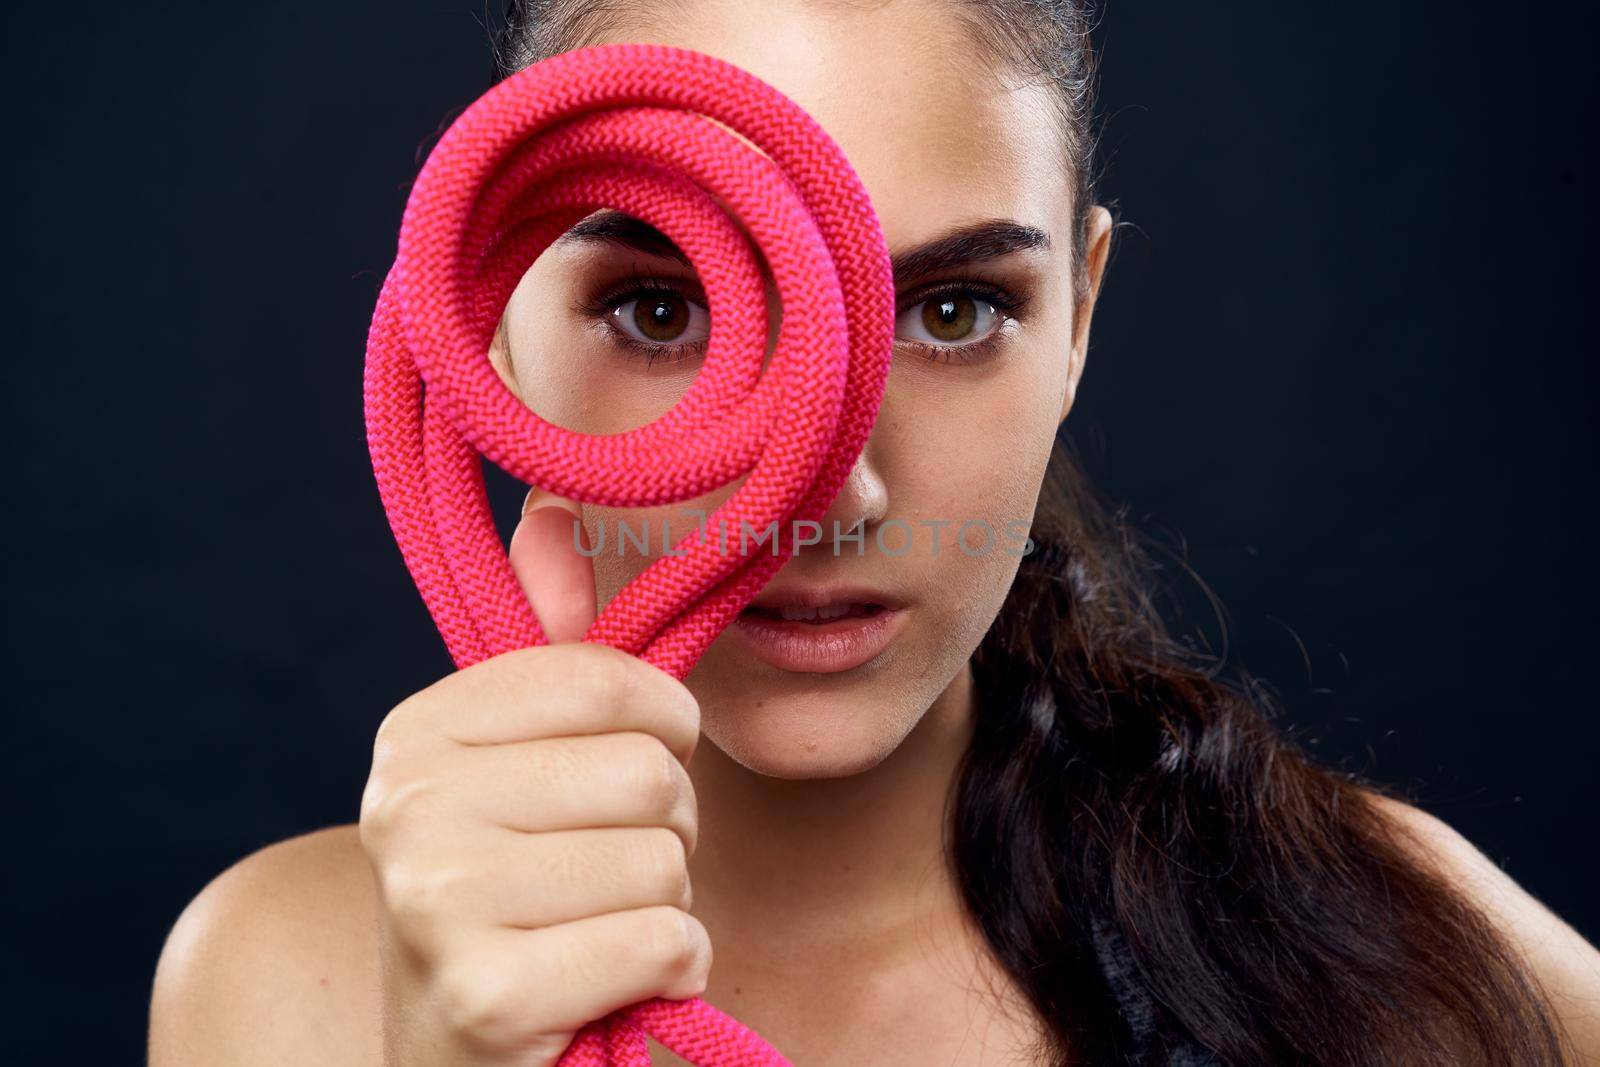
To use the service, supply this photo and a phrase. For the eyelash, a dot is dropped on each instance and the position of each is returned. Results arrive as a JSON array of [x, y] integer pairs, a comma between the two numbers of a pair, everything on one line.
[[631, 287], [1008, 305]]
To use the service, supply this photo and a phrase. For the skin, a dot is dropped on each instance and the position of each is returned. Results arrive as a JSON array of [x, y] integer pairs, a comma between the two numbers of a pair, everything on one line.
[[813, 839]]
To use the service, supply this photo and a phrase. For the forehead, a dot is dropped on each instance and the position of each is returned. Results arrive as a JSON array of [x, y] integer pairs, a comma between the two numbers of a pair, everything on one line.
[[940, 133]]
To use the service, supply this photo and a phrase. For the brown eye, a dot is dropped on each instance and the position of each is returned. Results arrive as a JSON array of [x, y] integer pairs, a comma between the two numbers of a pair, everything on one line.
[[661, 317], [952, 320], [949, 318]]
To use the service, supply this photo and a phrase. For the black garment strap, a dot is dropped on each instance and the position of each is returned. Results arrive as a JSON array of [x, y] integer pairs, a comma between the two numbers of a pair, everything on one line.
[[1139, 1007]]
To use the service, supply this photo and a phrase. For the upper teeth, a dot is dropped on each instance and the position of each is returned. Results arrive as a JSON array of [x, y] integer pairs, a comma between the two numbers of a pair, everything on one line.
[[831, 611]]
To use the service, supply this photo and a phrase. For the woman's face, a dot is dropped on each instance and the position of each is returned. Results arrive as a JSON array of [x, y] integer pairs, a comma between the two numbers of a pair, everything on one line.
[[602, 336]]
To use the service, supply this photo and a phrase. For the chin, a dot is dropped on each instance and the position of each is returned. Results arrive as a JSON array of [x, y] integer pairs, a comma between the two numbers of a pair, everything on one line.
[[800, 738]]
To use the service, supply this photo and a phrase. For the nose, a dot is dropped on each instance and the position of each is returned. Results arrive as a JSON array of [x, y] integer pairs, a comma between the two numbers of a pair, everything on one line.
[[862, 503]]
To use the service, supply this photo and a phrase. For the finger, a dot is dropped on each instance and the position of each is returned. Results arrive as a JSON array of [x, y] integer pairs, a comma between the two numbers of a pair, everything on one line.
[[575, 688], [494, 877], [548, 555], [569, 783], [582, 970]]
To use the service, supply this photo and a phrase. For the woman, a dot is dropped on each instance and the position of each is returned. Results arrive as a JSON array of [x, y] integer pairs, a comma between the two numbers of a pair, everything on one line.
[[959, 806]]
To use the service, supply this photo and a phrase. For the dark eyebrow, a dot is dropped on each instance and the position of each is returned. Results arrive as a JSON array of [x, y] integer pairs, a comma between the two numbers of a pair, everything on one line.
[[972, 243], [620, 228]]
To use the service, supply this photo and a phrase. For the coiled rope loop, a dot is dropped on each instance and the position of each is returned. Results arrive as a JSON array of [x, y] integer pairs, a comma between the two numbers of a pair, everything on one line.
[[623, 126]]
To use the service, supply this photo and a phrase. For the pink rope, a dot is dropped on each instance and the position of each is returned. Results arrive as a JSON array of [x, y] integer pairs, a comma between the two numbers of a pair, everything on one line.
[[621, 126]]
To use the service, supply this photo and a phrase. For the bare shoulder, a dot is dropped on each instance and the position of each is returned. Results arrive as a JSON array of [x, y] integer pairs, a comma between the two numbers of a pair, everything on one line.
[[275, 961], [1566, 964]]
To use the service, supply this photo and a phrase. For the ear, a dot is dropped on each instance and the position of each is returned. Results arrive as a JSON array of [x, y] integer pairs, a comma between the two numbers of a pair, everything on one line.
[[500, 357], [1096, 250]]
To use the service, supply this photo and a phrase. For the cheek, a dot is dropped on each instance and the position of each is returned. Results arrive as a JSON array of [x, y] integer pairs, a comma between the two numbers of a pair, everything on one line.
[[970, 449], [570, 374], [577, 384]]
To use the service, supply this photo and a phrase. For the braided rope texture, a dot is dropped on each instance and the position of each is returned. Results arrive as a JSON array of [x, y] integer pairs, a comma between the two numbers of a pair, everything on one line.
[[624, 126]]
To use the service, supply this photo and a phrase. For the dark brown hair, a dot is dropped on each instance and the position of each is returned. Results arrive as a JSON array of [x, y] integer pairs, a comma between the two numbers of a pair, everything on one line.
[[1164, 872], [1159, 866]]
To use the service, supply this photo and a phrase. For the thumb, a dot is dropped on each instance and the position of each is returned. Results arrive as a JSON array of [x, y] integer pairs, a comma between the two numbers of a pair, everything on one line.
[[556, 577]]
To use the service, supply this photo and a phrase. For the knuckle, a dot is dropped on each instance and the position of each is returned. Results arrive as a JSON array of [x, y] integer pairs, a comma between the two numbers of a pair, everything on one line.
[[605, 682], [389, 801], [581, 679], [677, 943], [686, 707], [676, 700], [420, 898], [629, 681], [666, 866], [397, 727], [667, 937], [656, 776], [479, 1005], [376, 819]]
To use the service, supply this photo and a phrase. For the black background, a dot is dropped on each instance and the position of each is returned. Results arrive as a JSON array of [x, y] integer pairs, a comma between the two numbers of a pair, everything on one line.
[[1344, 359]]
